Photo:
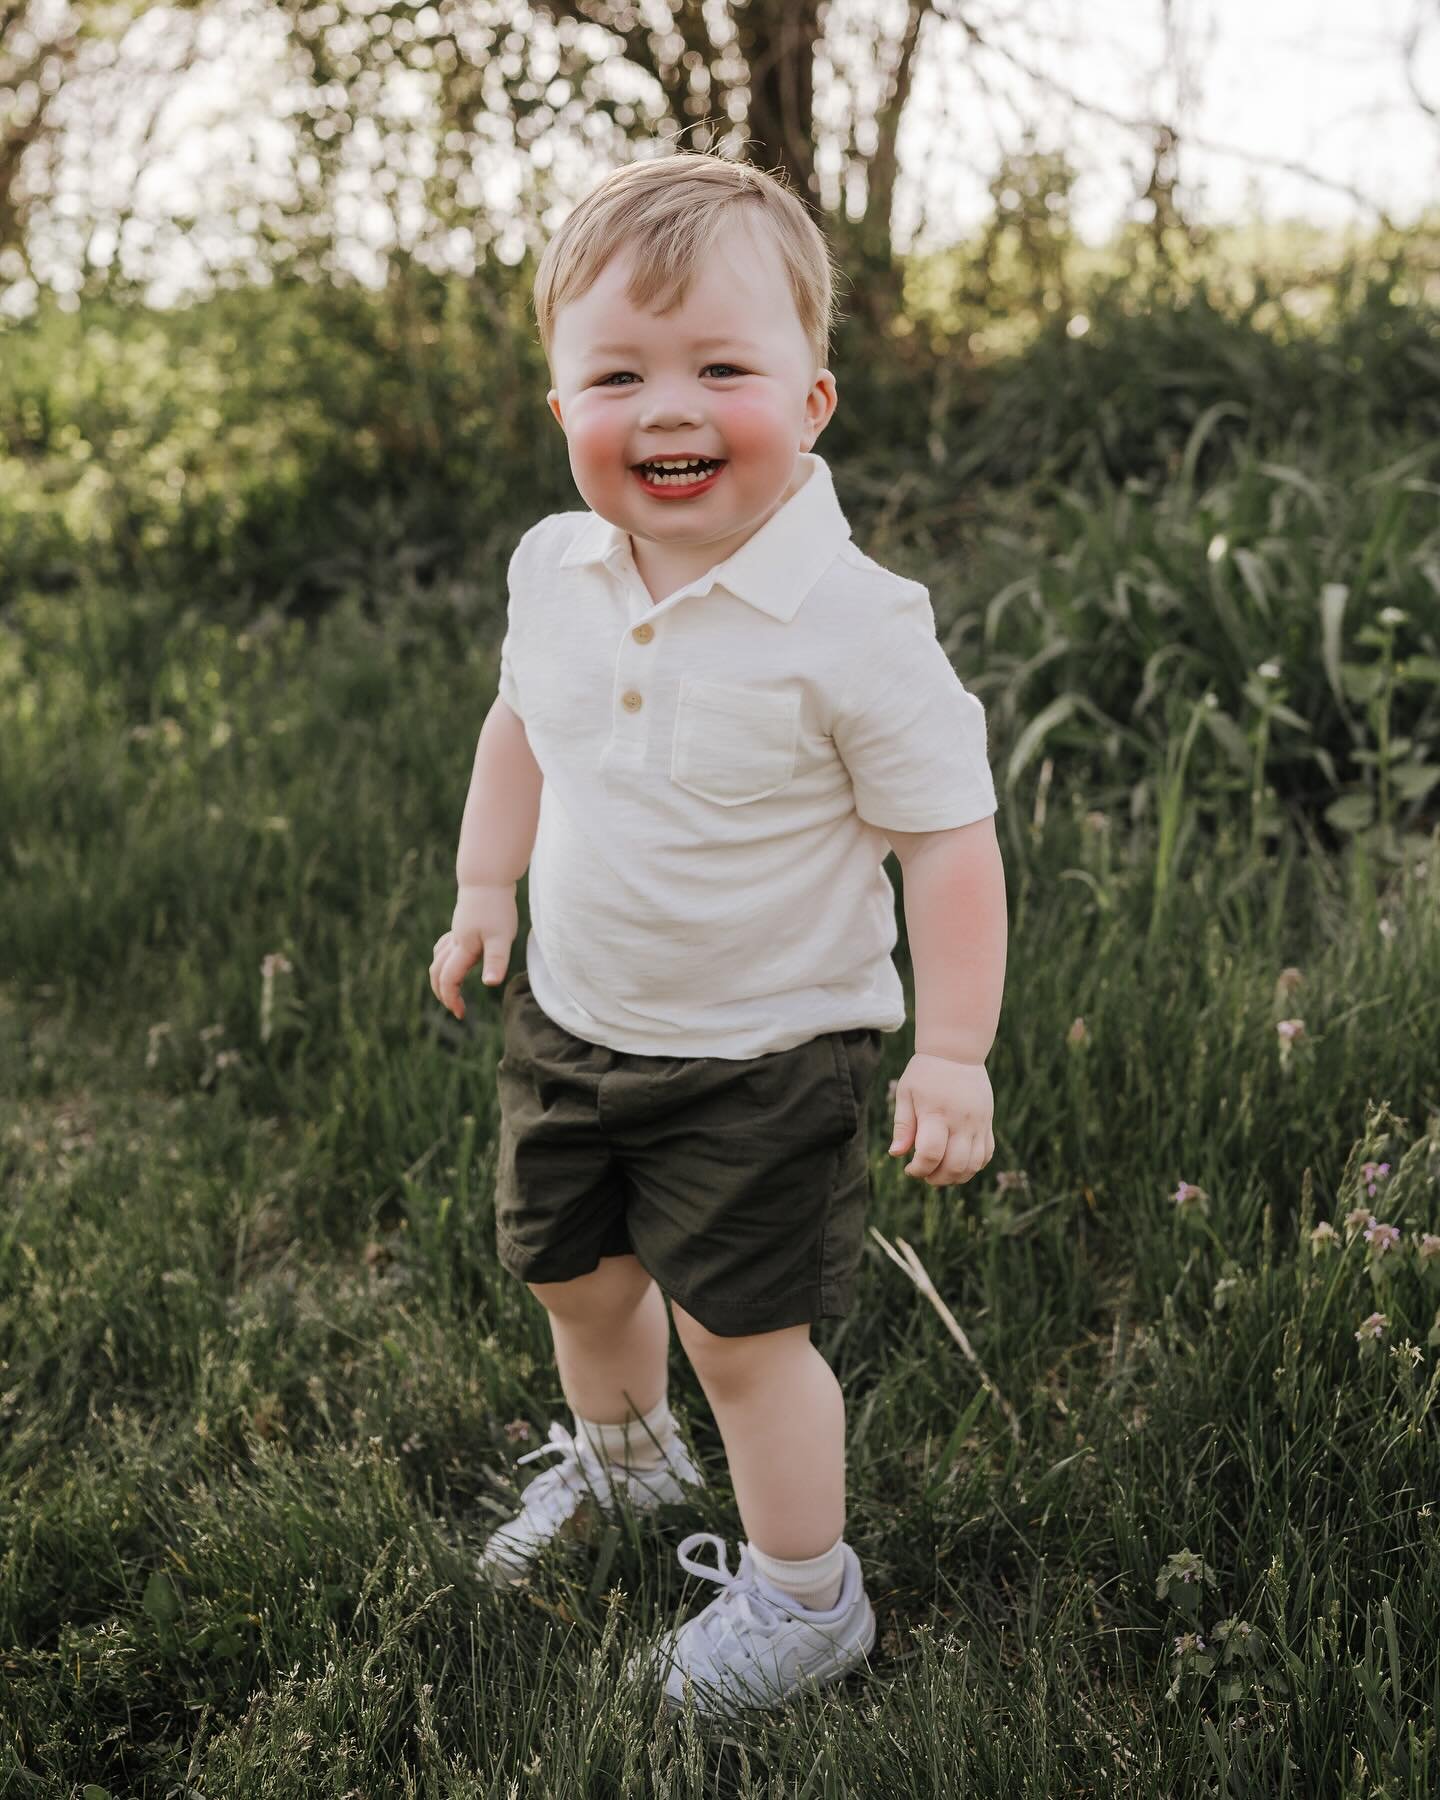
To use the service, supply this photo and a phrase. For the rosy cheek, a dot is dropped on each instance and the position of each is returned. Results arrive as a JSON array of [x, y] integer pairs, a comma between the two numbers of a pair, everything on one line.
[[593, 435], [749, 427]]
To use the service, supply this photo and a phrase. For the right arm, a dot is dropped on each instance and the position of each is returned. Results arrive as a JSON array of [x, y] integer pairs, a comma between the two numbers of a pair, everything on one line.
[[497, 835]]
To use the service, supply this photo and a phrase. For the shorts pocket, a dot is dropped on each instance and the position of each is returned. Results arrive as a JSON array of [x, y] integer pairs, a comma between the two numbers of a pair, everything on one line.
[[734, 744]]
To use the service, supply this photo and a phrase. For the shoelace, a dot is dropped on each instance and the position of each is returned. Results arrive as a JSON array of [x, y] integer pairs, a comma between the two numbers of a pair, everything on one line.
[[744, 1603], [567, 1476]]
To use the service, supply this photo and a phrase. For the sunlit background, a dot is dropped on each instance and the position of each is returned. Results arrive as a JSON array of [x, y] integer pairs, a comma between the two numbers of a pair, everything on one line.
[[1317, 109]]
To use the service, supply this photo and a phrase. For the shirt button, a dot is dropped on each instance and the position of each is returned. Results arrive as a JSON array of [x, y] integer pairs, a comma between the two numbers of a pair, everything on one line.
[[632, 701], [642, 634]]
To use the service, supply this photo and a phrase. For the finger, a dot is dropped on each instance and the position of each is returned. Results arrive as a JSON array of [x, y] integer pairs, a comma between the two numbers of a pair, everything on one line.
[[969, 1164], [902, 1137], [457, 966], [931, 1140]]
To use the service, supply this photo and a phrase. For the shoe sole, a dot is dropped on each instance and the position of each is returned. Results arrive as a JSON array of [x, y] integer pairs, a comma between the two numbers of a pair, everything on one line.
[[713, 1700]]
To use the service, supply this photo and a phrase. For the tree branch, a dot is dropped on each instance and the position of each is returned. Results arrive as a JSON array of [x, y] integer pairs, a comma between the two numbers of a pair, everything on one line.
[[1149, 126]]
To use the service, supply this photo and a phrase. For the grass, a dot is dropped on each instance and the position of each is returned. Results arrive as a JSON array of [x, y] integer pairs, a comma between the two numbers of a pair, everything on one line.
[[262, 1381]]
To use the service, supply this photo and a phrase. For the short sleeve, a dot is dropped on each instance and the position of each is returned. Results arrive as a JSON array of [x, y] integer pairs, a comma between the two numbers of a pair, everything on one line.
[[911, 734], [508, 691], [510, 643]]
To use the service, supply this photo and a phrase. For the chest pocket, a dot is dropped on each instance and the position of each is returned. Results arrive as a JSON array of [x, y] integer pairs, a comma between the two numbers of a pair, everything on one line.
[[734, 744]]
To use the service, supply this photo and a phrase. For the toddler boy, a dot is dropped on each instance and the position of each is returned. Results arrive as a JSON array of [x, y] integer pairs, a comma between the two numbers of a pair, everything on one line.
[[716, 717]]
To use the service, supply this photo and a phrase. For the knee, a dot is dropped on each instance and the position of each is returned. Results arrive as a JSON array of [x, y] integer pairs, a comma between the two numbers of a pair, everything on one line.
[[605, 1296], [733, 1364]]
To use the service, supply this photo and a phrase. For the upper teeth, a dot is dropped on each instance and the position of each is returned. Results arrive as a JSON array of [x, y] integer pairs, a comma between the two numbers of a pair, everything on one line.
[[687, 462]]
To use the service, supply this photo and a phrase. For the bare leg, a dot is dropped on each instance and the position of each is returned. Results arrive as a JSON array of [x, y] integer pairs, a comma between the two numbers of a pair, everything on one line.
[[781, 1415], [611, 1339]]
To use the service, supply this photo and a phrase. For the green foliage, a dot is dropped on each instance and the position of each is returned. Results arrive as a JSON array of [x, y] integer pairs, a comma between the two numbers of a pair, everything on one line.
[[264, 1382], [274, 444]]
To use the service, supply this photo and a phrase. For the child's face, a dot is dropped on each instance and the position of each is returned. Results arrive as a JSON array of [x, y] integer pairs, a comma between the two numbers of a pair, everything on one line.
[[632, 385]]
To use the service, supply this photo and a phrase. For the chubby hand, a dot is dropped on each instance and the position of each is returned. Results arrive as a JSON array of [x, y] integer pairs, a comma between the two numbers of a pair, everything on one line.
[[484, 926], [943, 1110]]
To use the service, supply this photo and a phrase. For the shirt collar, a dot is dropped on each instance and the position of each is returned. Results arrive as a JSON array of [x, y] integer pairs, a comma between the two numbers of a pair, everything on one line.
[[773, 570]]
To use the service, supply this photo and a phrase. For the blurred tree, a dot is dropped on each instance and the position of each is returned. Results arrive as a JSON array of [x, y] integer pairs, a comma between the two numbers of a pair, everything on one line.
[[735, 82], [42, 50]]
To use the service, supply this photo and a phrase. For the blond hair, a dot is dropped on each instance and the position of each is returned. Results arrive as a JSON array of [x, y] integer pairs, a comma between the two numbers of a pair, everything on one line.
[[669, 210]]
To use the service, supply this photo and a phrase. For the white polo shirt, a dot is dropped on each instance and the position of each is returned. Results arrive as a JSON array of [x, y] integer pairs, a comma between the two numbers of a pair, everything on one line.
[[719, 772]]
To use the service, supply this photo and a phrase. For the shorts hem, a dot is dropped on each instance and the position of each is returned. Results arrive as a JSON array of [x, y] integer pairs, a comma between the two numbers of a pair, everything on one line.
[[745, 1318], [510, 1254]]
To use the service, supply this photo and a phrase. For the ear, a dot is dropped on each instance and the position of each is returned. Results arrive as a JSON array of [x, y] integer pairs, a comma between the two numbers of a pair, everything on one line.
[[819, 405], [552, 400]]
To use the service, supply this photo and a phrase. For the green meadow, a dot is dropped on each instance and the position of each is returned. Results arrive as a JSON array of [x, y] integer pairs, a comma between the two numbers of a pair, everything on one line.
[[1173, 1529]]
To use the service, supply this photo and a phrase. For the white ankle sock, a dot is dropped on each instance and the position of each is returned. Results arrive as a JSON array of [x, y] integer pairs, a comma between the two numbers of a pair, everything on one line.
[[640, 1443], [814, 1582]]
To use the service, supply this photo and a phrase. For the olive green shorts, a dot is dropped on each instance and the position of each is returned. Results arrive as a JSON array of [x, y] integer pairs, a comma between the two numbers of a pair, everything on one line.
[[740, 1185]]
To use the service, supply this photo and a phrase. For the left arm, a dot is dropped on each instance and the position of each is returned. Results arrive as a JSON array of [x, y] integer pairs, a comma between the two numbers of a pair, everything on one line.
[[956, 923]]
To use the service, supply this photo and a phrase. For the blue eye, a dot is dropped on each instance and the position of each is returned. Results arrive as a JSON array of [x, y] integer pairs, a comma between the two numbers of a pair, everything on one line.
[[606, 380]]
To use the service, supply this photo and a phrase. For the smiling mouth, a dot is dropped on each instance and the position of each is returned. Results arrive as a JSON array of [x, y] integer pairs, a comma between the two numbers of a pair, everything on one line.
[[700, 474]]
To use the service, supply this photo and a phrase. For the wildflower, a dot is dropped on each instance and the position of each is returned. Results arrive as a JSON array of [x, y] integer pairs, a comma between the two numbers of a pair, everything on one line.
[[1217, 547], [1188, 1640], [517, 1431], [1371, 1172], [1287, 981], [1186, 1567], [1381, 1237], [1392, 615], [1077, 1034], [1387, 929], [1290, 1029], [1222, 1290], [275, 822], [1324, 1237], [1188, 1197], [270, 966], [1357, 1217], [1407, 1352], [1374, 1327], [1006, 1179], [1269, 671], [1097, 821], [155, 1036], [1428, 1248]]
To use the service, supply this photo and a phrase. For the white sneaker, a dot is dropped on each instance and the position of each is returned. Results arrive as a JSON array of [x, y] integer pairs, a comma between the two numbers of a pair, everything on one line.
[[564, 1499], [753, 1646]]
